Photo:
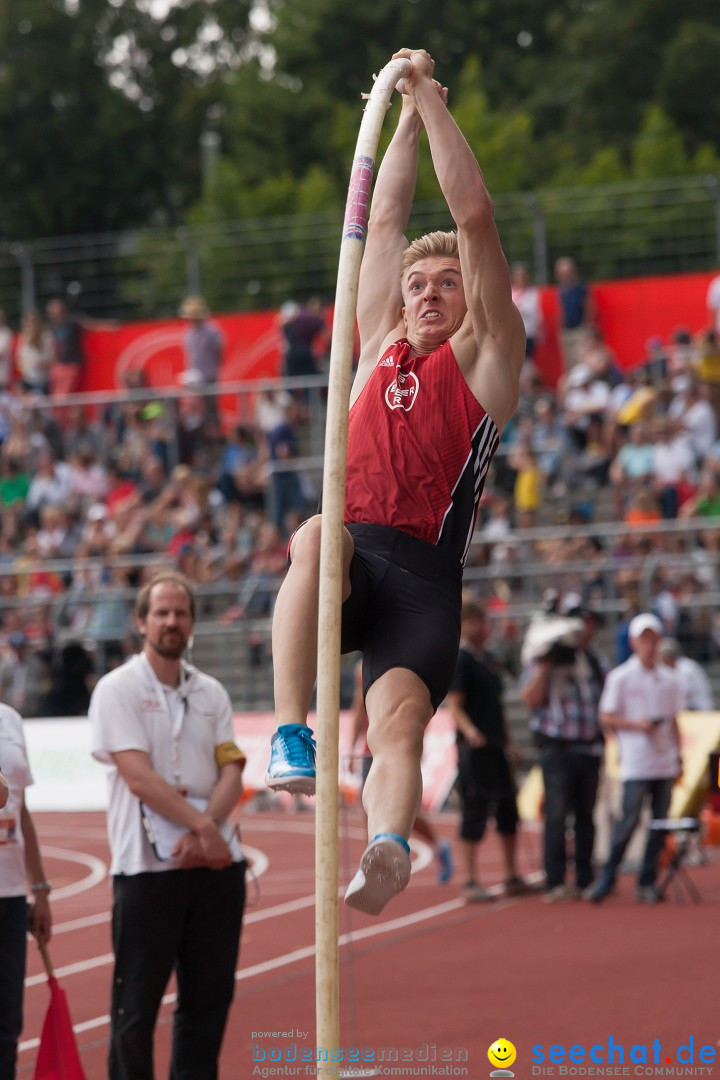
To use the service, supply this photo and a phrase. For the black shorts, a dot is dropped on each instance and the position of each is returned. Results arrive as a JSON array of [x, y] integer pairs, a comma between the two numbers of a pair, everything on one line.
[[404, 608], [487, 788]]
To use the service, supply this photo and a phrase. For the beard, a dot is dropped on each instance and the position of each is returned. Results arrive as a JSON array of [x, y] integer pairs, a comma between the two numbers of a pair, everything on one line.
[[171, 646]]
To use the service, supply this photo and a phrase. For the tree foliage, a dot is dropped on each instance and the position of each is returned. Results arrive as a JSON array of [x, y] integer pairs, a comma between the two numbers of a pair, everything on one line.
[[103, 103], [101, 108]]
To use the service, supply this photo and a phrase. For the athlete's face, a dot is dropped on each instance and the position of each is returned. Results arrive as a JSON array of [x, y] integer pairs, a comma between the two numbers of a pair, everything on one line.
[[435, 305], [169, 622]]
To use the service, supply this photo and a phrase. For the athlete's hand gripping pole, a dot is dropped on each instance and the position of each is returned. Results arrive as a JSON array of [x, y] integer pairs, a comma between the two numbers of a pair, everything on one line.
[[331, 555]]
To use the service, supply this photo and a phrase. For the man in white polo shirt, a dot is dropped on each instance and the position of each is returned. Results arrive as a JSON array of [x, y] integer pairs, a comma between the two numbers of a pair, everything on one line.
[[165, 730], [638, 706]]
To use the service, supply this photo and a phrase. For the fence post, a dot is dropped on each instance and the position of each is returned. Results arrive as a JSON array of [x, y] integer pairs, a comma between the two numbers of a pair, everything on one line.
[[540, 254], [27, 274], [713, 185], [192, 263]]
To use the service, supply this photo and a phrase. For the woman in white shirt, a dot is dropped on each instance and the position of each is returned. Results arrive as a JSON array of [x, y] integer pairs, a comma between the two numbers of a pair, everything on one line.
[[20, 864], [526, 298], [35, 353]]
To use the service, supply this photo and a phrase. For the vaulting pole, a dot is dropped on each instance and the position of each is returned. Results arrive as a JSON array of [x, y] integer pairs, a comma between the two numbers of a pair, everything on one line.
[[327, 968]]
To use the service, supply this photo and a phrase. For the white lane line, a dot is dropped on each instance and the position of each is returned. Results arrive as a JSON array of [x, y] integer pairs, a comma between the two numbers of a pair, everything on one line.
[[71, 969], [307, 827], [424, 856], [294, 957], [258, 859], [72, 925], [260, 866], [252, 917], [79, 832]]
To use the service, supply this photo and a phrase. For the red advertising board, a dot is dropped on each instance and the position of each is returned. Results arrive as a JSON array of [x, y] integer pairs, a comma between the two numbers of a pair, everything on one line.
[[439, 764], [629, 312]]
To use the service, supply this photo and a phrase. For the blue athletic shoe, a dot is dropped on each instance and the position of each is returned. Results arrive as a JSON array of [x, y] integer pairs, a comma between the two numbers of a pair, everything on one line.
[[292, 760], [444, 860]]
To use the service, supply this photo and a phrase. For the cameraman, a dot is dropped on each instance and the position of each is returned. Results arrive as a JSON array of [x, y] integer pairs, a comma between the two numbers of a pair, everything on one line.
[[562, 689]]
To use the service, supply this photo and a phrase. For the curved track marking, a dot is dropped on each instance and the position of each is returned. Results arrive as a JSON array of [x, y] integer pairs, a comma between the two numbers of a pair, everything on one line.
[[258, 860], [424, 855], [261, 863], [98, 870], [294, 957]]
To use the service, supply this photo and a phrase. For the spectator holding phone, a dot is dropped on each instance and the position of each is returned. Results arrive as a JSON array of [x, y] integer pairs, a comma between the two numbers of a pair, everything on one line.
[[638, 706]]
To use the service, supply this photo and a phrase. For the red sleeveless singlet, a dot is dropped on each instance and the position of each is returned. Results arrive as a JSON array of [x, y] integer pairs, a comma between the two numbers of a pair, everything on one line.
[[419, 447]]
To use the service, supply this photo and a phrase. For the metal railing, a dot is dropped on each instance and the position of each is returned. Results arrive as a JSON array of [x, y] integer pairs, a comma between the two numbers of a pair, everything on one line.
[[238, 652], [245, 664], [612, 230], [98, 402]]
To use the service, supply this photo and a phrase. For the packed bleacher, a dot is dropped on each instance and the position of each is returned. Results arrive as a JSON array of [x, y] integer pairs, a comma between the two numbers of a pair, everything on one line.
[[605, 487]]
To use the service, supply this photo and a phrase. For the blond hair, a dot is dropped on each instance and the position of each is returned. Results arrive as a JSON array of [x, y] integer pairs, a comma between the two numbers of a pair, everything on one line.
[[433, 245]]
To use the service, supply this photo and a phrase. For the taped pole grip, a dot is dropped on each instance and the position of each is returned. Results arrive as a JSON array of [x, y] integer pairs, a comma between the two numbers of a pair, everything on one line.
[[327, 967]]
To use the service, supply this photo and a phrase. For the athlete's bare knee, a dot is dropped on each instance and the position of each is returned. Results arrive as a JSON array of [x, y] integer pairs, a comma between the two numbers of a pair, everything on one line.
[[305, 545], [400, 732]]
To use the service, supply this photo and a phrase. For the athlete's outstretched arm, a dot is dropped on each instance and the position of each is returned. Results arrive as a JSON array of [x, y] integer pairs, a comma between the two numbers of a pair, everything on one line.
[[486, 278], [379, 295]]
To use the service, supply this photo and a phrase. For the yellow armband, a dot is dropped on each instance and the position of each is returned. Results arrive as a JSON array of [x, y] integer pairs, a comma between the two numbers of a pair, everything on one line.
[[227, 753]]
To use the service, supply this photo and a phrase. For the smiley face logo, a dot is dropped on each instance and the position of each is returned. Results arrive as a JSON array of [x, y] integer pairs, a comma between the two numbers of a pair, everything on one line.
[[502, 1053]]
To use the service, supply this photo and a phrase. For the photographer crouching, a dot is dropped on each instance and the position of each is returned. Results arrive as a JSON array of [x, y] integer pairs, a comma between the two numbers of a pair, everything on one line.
[[561, 684]]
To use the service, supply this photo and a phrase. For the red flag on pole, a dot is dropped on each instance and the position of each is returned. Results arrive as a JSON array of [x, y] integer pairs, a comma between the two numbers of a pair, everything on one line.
[[58, 1057]]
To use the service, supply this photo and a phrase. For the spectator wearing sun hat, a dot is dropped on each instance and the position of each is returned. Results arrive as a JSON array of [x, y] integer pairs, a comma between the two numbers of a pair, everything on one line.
[[203, 344], [639, 705]]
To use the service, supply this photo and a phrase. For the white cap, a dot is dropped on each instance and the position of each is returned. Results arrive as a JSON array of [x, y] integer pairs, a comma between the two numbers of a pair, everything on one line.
[[579, 376], [641, 623], [97, 512]]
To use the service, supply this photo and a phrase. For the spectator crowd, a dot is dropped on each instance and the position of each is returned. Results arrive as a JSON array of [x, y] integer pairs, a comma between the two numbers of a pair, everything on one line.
[[92, 496]]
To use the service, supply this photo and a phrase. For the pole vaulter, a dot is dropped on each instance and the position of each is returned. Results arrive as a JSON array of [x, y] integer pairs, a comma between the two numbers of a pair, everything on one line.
[[380, 569], [327, 976]]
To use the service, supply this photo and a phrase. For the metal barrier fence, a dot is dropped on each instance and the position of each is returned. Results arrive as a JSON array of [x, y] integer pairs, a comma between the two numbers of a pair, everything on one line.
[[533, 576], [239, 399], [614, 230], [239, 654]]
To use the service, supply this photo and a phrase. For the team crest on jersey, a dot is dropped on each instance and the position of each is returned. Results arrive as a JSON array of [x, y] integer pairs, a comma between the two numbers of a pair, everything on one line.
[[402, 392]]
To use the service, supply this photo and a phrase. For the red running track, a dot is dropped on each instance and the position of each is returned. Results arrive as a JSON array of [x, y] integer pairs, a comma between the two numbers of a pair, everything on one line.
[[430, 975]]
